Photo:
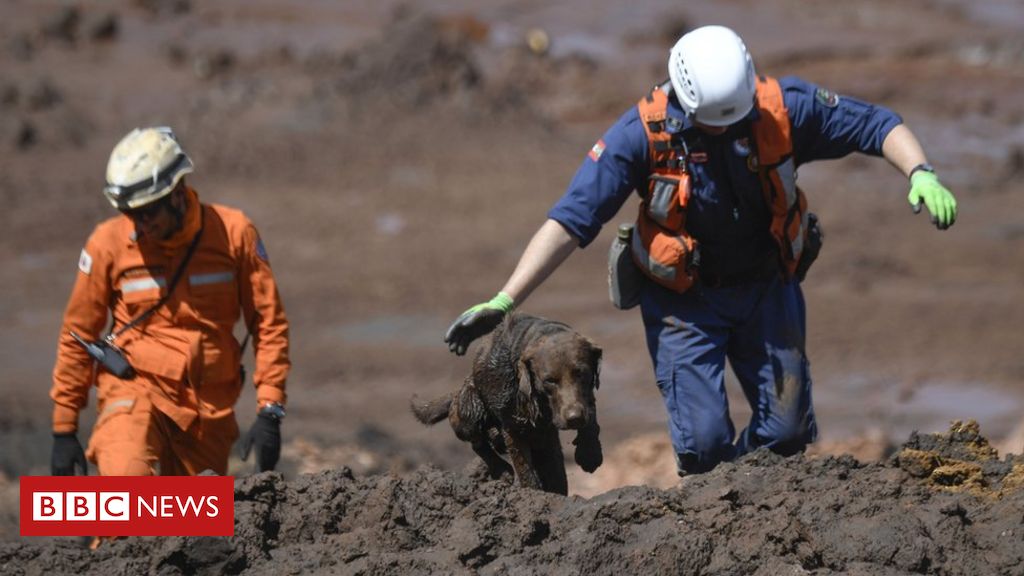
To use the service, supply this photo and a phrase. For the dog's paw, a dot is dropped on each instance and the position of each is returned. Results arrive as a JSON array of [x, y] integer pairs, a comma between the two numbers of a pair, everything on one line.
[[480, 471], [589, 456]]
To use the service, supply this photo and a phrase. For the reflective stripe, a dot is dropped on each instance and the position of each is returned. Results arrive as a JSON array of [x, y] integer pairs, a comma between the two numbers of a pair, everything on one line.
[[797, 247], [140, 284], [663, 199], [787, 174], [666, 273], [211, 278], [798, 243], [661, 271], [115, 404]]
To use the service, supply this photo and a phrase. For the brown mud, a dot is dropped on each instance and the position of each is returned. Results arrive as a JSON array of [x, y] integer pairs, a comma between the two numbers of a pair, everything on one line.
[[763, 514], [396, 159]]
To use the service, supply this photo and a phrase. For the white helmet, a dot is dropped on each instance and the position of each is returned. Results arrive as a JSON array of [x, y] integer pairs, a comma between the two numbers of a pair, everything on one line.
[[712, 75], [144, 166]]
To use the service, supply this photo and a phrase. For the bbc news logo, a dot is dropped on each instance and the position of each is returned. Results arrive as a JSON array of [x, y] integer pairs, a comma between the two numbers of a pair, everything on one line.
[[116, 506], [82, 506], [127, 506]]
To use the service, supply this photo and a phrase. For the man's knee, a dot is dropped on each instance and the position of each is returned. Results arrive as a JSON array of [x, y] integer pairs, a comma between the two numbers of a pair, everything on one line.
[[124, 441], [786, 436], [114, 461], [707, 449]]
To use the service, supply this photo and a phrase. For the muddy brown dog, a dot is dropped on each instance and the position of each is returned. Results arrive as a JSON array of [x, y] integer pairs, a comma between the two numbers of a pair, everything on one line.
[[532, 378]]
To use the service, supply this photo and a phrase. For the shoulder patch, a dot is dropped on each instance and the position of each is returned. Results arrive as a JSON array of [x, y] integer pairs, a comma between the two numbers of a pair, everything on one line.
[[827, 97], [261, 251], [85, 262], [597, 150]]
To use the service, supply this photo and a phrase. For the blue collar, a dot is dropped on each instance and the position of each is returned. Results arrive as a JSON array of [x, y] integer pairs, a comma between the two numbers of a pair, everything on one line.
[[675, 118]]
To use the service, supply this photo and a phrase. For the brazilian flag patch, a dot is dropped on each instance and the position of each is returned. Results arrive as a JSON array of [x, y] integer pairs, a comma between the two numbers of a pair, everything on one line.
[[827, 97]]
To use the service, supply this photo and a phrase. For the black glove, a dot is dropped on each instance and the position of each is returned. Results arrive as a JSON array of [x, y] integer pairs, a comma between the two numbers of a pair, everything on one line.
[[265, 435], [67, 452], [476, 322]]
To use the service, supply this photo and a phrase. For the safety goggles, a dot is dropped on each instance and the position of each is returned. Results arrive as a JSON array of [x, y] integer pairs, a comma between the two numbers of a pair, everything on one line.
[[149, 211]]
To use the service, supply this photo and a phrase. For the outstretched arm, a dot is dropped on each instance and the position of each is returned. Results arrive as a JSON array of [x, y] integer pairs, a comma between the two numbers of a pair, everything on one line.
[[548, 248], [903, 151]]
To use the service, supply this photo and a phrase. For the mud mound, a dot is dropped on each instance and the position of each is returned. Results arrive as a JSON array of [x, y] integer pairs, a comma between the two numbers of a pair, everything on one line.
[[761, 515], [418, 60], [426, 61]]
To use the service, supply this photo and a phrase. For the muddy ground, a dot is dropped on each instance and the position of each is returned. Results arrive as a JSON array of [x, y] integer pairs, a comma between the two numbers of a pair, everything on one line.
[[397, 157], [944, 504]]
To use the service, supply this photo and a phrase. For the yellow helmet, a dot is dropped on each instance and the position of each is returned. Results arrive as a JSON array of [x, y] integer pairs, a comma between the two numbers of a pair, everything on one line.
[[144, 167]]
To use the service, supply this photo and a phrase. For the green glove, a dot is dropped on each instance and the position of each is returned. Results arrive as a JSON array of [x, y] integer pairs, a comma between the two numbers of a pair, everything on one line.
[[476, 322], [925, 186]]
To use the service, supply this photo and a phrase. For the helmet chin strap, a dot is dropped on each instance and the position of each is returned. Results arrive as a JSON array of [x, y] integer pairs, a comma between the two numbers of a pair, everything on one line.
[[178, 212], [177, 215]]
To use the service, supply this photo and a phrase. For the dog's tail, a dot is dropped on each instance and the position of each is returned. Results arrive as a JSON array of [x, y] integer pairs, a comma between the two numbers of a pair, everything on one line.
[[431, 411]]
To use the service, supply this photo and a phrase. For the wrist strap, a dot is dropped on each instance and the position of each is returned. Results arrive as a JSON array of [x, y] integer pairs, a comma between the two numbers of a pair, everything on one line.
[[503, 302], [923, 166]]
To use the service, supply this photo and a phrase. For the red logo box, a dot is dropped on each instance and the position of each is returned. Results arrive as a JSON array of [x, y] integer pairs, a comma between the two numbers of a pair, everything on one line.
[[127, 506]]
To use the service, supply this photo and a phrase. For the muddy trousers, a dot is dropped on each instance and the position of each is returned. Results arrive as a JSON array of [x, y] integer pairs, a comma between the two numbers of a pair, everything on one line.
[[760, 328], [133, 438]]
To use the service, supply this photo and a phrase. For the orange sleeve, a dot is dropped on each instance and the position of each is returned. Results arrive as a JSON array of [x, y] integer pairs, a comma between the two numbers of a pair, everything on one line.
[[86, 315], [264, 313]]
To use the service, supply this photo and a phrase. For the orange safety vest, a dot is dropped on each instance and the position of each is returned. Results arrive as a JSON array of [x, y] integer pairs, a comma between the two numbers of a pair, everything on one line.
[[185, 355], [661, 246]]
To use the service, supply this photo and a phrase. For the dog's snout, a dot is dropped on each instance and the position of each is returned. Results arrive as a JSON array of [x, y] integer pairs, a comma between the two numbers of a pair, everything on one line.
[[575, 417]]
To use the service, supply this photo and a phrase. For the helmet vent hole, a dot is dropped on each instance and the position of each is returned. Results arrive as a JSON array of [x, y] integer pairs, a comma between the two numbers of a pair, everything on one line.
[[687, 80]]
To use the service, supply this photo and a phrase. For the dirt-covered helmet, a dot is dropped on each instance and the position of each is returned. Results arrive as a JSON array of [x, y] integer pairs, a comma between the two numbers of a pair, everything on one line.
[[712, 75], [145, 166]]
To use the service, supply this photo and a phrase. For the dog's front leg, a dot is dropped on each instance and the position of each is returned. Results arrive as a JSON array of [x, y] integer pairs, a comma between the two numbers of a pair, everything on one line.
[[522, 461], [496, 466], [588, 453], [550, 464]]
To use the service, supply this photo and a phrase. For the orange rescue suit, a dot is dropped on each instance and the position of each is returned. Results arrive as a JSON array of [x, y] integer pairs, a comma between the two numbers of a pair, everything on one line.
[[185, 355]]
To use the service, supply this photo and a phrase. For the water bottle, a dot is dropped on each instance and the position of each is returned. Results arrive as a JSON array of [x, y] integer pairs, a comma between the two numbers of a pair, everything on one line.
[[624, 278]]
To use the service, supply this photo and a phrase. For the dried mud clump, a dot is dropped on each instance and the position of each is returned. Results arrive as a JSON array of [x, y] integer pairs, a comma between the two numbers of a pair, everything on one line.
[[960, 460], [763, 514]]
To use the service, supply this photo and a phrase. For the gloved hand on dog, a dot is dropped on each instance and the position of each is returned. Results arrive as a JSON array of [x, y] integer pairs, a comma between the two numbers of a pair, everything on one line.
[[67, 452], [476, 322]]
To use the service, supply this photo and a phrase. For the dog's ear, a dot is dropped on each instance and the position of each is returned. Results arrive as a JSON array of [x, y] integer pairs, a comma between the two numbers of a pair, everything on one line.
[[526, 398], [524, 369], [595, 363], [525, 378]]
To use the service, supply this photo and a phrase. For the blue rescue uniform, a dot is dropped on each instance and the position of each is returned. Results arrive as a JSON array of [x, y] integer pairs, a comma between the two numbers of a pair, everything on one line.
[[742, 308]]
